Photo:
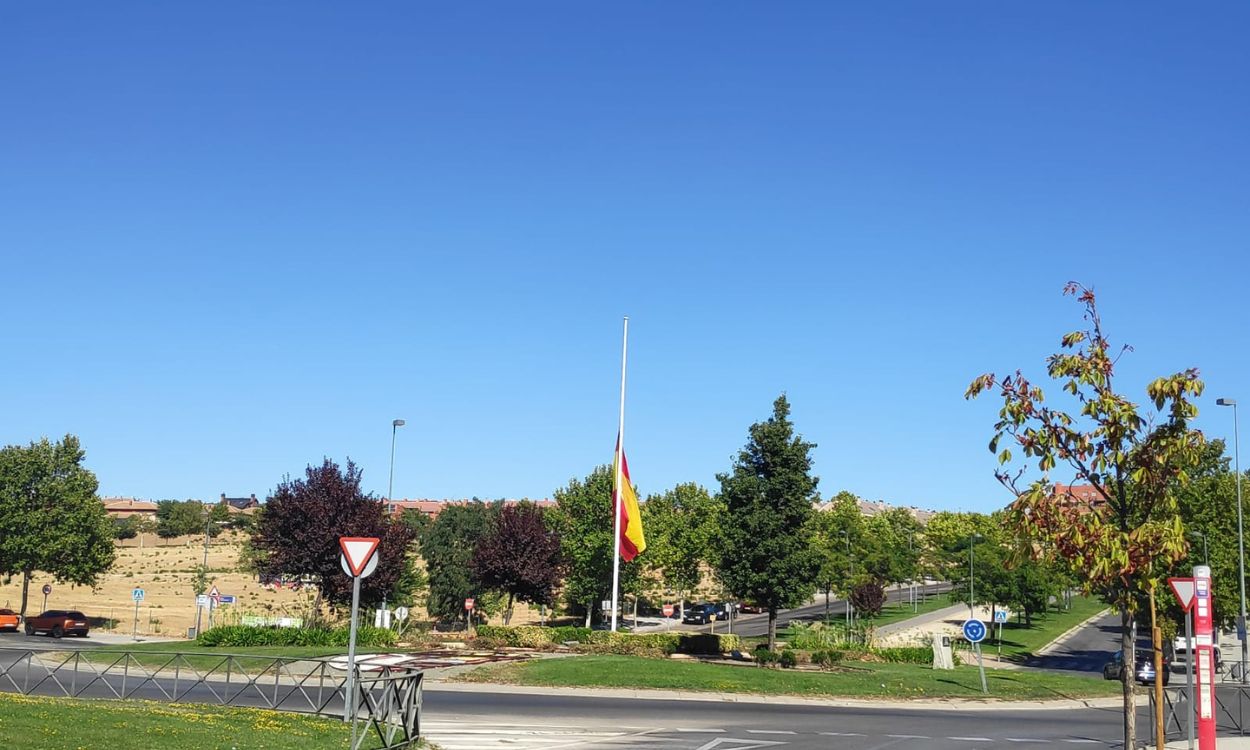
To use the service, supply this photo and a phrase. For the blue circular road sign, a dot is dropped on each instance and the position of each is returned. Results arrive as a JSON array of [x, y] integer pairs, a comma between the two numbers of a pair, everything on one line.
[[974, 631]]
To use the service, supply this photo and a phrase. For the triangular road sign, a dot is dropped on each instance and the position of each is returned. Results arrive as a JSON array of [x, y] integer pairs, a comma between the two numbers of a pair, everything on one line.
[[1183, 588], [358, 551]]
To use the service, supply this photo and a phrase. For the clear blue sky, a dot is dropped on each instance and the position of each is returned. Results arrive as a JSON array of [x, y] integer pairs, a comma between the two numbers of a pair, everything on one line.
[[239, 237]]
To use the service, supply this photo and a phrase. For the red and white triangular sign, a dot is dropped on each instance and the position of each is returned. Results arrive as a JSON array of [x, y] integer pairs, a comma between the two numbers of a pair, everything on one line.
[[358, 550], [1183, 588]]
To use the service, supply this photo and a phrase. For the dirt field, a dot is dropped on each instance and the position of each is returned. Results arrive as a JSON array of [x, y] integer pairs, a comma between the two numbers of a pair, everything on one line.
[[165, 574]]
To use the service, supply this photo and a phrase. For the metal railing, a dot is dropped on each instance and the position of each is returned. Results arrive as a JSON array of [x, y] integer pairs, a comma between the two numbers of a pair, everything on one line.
[[388, 696], [1232, 714]]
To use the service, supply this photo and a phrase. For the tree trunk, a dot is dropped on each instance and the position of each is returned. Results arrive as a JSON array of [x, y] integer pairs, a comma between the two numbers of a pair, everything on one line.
[[25, 591], [507, 613], [772, 628], [590, 611], [1127, 676], [826, 604]]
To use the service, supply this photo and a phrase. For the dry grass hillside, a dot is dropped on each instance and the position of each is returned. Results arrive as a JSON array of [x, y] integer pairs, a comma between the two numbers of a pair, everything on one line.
[[165, 573]]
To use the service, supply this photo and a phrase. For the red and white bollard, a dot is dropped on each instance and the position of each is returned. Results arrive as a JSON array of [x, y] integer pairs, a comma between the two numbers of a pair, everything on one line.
[[1205, 658]]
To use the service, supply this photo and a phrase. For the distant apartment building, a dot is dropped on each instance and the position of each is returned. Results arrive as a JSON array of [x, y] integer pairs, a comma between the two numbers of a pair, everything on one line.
[[432, 508], [240, 505], [125, 507]]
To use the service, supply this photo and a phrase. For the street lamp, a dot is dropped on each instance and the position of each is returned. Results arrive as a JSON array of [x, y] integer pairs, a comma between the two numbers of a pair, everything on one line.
[[911, 585], [390, 486], [972, 574], [1206, 555], [850, 569], [1241, 538]]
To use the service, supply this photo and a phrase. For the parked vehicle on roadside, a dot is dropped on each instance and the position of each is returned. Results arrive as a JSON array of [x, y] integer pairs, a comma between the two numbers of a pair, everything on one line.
[[701, 614], [9, 620], [57, 623], [750, 608], [1145, 667]]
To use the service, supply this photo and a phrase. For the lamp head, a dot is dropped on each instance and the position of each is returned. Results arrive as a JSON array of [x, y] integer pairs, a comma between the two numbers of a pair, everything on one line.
[[398, 423], [1225, 402]]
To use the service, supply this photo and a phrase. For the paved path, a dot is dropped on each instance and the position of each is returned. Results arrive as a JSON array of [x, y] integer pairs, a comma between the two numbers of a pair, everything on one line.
[[757, 625], [1085, 650]]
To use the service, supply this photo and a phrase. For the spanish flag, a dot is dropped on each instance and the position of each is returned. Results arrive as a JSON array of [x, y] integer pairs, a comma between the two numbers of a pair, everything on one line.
[[626, 501]]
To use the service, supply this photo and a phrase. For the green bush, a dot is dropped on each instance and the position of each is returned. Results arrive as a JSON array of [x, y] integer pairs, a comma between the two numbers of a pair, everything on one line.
[[826, 659], [252, 635], [788, 659], [607, 642], [906, 654], [765, 656]]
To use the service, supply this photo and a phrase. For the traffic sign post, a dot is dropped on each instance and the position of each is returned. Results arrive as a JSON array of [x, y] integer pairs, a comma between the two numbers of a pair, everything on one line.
[[974, 632], [667, 609], [1000, 617], [137, 595], [359, 559], [1204, 652], [1183, 589], [47, 589]]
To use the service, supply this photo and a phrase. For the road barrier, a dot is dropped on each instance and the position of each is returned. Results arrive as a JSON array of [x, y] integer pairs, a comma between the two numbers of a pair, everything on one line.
[[388, 698], [1232, 702]]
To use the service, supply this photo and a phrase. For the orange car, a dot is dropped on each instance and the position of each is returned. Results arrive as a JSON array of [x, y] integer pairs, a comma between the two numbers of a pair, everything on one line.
[[8, 620]]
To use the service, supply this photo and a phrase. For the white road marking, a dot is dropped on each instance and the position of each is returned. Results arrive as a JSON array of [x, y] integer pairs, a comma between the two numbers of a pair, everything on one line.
[[970, 739], [1024, 739], [842, 734], [770, 731], [691, 729], [909, 736]]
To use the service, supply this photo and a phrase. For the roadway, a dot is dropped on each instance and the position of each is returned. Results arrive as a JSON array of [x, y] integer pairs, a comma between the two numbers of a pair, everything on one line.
[[1086, 650], [757, 625], [496, 718]]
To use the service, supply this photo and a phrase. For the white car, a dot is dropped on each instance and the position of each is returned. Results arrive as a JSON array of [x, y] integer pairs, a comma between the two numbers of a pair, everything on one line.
[[1180, 647]]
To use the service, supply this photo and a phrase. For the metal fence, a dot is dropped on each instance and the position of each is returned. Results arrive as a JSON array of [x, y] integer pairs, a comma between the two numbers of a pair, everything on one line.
[[1232, 711], [387, 697]]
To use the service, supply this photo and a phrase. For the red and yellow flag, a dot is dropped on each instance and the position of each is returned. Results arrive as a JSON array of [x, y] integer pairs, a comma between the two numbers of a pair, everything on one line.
[[632, 540]]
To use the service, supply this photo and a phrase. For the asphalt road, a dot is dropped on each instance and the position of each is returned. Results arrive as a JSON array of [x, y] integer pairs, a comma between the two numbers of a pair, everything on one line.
[[757, 625], [1087, 650], [477, 720]]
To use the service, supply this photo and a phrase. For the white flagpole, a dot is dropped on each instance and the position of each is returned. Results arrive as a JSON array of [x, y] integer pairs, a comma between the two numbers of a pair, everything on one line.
[[616, 485]]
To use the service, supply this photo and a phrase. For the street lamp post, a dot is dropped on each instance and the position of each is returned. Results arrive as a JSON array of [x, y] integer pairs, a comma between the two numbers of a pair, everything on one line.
[[1206, 554], [1241, 537], [390, 494], [850, 570], [911, 586], [972, 574]]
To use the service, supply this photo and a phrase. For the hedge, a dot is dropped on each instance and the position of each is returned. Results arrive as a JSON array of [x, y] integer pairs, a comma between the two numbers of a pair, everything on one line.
[[252, 635], [604, 641]]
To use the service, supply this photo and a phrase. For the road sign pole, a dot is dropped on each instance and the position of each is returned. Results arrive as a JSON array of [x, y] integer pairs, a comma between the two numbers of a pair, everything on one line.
[[1000, 643], [349, 706], [134, 633], [1205, 674], [45, 603], [1189, 673], [981, 665]]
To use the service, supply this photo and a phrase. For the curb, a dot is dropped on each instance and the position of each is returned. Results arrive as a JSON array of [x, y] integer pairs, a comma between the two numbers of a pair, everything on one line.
[[1067, 634], [946, 704]]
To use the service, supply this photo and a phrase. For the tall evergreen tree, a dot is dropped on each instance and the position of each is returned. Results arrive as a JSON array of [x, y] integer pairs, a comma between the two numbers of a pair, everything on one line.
[[767, 555], [448, 547]]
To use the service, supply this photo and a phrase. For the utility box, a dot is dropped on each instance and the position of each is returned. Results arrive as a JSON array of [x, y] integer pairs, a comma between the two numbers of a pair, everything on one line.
[[942, 656], [191, 634]]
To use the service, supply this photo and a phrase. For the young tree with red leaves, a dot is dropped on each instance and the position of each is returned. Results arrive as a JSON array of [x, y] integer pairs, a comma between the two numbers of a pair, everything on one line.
[[1131, 535], [300, 525], [519, 556]]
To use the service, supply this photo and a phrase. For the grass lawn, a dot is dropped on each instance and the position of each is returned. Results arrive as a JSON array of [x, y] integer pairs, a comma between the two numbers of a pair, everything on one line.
[[154, 655], [857, 680], [30, 723], [1019, 641]]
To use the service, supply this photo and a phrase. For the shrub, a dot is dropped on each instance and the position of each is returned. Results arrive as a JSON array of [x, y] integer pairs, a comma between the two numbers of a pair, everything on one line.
[[826, 659], [814, 636], [788, 659], [765, 657], [607, 642], [252, 635], [906, 654]]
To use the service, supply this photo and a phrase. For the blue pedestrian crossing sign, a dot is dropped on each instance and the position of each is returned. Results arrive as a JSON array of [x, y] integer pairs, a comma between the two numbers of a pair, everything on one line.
[[137, 595], [974, 631]]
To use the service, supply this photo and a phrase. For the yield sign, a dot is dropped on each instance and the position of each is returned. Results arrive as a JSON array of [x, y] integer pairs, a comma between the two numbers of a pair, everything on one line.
[[1183, 588], [358, 550], [215, 595]]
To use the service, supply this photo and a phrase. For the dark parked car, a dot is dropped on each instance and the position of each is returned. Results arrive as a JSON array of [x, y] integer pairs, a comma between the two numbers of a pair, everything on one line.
[[1145, 667], [58, 622], [701, 614]]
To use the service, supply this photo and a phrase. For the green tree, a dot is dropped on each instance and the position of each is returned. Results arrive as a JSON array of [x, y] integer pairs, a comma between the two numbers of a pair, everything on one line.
[[889, 549], [767, 556], [1132, 535], [448, 546], [1208, 507], [836, 531], [51, 520], [583, 519], [683, 532], [178, 518]]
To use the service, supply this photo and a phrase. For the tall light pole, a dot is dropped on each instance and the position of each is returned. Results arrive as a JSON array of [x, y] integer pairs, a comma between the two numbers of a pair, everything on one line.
[[390, 485], [1241, 536], [1206, 554], [849, 570], [972, 574]]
